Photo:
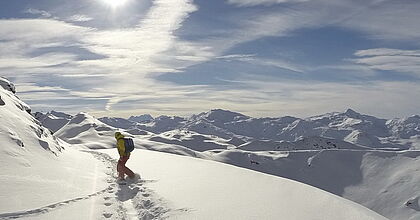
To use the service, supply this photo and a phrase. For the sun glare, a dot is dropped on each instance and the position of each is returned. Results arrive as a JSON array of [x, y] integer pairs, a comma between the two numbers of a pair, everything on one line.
[[115, 3]]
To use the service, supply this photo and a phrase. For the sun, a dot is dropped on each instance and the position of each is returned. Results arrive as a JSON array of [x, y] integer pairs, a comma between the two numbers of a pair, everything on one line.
[[115, 3]]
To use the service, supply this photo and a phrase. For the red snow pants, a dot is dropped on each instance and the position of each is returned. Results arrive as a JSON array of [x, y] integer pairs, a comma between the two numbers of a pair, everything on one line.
[[122, 169]]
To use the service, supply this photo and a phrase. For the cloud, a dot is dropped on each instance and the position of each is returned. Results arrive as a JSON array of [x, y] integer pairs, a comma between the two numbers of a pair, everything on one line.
[[39, 31], [79, 18], [120, 81], [375, 19], [254, 60], [271, 97], [139, 46], [42, 13], [403, 61], [247, 3], [20, 39], [306, 98], [388, 20], [34, 53], [386, 52]]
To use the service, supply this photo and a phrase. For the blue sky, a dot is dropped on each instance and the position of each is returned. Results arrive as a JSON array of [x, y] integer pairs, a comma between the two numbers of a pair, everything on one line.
[[178, 57]]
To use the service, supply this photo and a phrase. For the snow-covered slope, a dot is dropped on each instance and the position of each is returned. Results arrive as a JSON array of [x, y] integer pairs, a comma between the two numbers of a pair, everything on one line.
[[199, 189], [7, 85], [380, 180], [53, 120], [87, 131], [192, 140], [20, 132], [175, 187], [61, 177], [340, 167], [37, 169]]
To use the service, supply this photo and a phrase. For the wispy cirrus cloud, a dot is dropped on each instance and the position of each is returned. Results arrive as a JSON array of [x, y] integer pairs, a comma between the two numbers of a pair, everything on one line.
[[34, 11], [79, 18], [38, 33], [387, 20], [305, 98], [247, 3], [20, 38], [387, 52], [403, 61], [255, 60], [111, 69], [37, 52]]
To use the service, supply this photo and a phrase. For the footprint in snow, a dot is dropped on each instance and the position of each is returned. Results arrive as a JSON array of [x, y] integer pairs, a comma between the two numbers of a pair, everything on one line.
[[107, 215], [413, 203]]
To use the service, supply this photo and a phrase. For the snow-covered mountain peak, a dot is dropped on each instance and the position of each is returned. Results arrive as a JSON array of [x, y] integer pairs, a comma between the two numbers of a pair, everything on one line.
[[118, 122], [60, 115], [82, 117], [413, 119], [405, 127], [352, 114], [169, 118], [7, 85], [351, 120], [84, 127], [85, 121], [53, 120], [220, 116], [141, 118]]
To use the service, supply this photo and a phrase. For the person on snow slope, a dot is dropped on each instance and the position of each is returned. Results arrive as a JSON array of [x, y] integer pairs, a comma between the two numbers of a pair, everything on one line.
[[121, 168]]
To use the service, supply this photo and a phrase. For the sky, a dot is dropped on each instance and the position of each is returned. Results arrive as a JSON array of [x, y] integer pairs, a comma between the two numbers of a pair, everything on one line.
[[180, 57]]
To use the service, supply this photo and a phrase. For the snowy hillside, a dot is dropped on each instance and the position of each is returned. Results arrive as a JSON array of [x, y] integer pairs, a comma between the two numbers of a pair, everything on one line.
[[7, 85], [22, 133], [175, 187], [83, 128], [351, 166], [53, 120], [37, 169], [43, 177], [194, 194]]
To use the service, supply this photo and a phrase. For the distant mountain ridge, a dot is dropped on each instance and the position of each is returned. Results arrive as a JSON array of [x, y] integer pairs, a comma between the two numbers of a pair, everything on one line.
[[349, 126], [141, 118]]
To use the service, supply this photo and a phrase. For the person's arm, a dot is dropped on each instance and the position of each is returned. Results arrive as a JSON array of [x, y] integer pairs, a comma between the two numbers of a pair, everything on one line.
[[121, 147]]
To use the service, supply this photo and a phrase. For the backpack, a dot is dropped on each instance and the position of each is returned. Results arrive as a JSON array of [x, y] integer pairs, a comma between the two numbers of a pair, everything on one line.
[[128, 144]]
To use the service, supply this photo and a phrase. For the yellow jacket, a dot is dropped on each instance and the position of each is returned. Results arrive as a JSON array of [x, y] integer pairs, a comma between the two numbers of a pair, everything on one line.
[[121, 145]]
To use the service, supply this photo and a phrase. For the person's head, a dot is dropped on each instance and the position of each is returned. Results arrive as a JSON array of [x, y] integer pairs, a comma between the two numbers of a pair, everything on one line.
[[118, 135]]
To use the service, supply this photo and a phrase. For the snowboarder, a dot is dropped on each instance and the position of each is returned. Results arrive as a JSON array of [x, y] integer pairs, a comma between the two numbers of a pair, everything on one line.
[[124, 156]]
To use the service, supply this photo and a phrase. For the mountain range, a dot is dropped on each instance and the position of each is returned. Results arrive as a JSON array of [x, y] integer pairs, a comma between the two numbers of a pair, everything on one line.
[[370, 161]]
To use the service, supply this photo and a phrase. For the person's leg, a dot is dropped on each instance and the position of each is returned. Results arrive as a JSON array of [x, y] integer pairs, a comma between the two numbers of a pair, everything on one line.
[[127, 170], [121, 167]]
